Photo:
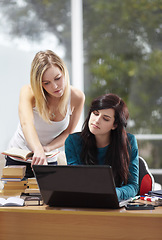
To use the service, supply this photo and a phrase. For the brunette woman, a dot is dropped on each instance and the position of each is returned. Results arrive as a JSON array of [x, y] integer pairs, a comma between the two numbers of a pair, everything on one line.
[[104, 141]]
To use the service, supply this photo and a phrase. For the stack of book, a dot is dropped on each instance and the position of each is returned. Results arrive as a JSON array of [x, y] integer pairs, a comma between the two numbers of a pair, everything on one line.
[[13, 178], [32, 186], [32, 183]]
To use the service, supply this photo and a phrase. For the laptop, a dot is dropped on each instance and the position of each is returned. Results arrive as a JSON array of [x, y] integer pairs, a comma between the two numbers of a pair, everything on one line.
[[83, 186]]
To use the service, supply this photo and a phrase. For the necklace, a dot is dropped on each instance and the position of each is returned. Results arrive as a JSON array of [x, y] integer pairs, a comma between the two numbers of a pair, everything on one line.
[[52, 115], [52, 111]]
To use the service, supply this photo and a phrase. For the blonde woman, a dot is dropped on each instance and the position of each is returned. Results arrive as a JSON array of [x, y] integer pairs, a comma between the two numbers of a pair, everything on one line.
[[49, 109]]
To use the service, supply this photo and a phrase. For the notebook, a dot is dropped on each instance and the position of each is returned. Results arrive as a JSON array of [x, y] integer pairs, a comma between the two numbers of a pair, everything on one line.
[[80, 186]]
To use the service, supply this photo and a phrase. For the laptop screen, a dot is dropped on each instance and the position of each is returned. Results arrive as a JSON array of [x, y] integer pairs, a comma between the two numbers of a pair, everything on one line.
[[85, 186]]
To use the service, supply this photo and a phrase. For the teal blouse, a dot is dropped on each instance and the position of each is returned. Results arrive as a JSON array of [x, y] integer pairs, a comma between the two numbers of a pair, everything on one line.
[[73, 147]]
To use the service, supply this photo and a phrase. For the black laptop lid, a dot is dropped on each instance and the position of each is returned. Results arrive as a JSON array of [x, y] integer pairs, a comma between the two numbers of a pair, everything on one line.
[[77, 186]]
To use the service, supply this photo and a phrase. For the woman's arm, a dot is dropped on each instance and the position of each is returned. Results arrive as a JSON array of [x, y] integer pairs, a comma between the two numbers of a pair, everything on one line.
[[73, 148], [77, 103], [131, 188], [26, 103]]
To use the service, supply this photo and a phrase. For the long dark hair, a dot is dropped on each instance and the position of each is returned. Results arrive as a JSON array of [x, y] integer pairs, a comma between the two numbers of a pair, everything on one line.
[[117, 154]]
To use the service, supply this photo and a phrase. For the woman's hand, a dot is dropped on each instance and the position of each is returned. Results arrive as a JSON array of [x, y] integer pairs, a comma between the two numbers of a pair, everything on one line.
[[47, 148], [39, 158]]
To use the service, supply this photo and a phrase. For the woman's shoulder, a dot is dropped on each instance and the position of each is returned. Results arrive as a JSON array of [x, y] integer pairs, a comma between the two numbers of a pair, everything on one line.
[[27, 90], [132, 139], [130, 136], [75, 138], [26, 93], [76, 95]]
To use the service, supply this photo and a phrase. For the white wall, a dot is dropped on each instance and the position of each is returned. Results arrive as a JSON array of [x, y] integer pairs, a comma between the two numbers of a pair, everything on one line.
[[14, 73]]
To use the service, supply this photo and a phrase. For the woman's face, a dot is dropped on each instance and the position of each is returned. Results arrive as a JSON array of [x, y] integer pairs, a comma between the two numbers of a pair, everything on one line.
[[53, 81], [101, 122]]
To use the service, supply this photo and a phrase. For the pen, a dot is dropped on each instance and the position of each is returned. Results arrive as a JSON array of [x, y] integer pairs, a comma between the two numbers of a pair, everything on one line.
[[150, 199], [135, 198]]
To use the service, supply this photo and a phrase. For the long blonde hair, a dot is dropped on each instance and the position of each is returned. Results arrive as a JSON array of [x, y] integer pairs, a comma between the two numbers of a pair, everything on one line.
[[41, 62]]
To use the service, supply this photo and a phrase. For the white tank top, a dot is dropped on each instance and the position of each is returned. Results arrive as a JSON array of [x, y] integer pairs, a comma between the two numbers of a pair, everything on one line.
[[46, 131]]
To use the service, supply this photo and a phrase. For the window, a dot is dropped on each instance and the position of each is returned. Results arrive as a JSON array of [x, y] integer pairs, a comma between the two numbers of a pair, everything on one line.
[[123, 55]]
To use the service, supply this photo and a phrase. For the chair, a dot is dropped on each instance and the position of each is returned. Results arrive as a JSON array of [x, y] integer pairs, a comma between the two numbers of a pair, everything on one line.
[[146, 179]]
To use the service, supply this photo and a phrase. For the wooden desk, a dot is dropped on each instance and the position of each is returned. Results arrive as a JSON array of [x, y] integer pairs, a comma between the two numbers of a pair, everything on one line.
[[44, 223]]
